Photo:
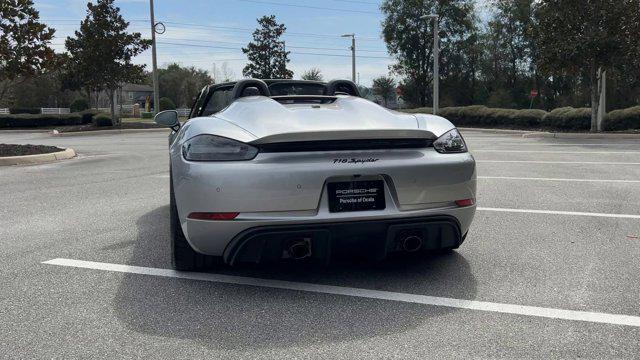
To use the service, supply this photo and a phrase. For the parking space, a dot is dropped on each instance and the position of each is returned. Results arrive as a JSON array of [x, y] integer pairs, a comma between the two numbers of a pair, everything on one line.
[[548, 269]]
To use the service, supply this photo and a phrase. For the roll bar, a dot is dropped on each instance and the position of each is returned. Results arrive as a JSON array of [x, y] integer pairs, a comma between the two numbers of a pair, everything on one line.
[[239, 87], [342, 86]]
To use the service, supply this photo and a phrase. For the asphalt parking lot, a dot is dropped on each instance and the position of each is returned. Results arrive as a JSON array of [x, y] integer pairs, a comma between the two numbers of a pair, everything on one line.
[[554, 241]]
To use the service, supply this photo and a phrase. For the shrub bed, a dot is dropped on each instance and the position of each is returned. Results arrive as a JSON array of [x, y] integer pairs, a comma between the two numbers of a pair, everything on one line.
[[568, 118], [623, 119], [22, 110], [33, 120], [561, 119]]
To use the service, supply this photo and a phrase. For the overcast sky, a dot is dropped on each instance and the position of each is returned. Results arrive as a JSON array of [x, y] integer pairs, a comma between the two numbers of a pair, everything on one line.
[[207, 32]]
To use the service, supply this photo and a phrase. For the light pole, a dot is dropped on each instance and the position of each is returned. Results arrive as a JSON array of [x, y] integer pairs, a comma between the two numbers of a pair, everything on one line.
[[353, 55], [436, 61], [154, 61]]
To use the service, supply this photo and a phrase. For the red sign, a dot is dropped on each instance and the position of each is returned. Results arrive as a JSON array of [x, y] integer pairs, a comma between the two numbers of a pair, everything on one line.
[[533, 93]]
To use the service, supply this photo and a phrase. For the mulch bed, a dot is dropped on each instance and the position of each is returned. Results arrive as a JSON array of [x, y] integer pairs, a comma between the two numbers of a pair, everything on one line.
[[19, 150]]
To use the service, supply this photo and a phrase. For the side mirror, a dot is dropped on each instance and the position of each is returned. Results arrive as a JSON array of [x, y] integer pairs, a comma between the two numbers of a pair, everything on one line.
[[168, 118]]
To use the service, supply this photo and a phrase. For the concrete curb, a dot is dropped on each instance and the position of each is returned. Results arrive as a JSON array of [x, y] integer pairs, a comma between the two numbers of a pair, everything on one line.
[[107, 132], [38, 158], [548, 135], [495, 131]]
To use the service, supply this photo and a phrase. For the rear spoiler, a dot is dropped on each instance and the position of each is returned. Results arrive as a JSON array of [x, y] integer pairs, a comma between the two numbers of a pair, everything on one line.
[[345, 135]]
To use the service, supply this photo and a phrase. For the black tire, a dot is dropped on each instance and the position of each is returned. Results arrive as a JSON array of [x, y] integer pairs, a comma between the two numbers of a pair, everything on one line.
[[183, 257]]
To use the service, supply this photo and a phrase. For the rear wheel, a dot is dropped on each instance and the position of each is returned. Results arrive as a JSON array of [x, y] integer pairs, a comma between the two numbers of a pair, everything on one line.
[[183, 257]]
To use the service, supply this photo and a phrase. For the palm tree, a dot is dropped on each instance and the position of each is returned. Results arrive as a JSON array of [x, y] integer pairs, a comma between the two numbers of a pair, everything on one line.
[[384, 87]]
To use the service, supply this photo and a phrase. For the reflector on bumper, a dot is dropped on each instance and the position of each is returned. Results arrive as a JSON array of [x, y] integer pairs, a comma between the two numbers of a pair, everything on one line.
[[212, 216], [465, 202]]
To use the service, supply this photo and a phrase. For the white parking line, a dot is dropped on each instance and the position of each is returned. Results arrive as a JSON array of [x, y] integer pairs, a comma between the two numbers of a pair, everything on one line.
[[557, 179], [594, 317], [558, 162], [554, 212], [557, 152], [524, 143]]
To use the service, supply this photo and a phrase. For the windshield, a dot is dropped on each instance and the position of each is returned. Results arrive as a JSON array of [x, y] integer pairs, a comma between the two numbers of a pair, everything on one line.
[[279, 89]]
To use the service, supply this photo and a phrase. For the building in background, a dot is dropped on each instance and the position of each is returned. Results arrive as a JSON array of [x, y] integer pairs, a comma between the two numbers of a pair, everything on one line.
[[127, 95]]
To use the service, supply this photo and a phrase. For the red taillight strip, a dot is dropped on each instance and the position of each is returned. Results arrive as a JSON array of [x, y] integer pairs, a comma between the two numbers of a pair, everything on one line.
[[213, 216], [465, 202]]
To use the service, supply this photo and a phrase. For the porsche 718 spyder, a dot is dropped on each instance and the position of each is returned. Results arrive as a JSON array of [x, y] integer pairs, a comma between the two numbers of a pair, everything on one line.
[[291, 170]]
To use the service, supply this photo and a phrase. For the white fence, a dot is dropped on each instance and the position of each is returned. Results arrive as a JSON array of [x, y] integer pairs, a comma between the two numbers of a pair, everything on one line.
[[4, 111], [55, 111], [183, 112]]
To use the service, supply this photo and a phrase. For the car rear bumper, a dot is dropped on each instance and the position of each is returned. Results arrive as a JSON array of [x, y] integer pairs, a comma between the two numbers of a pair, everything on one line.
[[374, 239], [218, 237], [289, 190]]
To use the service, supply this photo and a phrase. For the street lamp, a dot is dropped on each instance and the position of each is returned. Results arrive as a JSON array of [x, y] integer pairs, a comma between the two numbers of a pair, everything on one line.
[[436, 61], [154, 61], [353, 55]]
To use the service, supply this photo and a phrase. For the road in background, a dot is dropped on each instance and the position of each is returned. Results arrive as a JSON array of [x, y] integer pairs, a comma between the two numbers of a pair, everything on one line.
[[110, 205]]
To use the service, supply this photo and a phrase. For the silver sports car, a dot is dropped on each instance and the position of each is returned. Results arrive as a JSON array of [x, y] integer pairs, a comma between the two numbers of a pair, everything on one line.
[[286, 170]]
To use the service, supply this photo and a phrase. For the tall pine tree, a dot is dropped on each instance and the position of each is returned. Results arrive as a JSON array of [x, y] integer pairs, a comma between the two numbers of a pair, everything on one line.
[[100, 54], [266, 53]]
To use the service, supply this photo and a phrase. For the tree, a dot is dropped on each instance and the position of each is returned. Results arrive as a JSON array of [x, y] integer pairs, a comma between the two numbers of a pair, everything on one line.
[[182, 84], [266, 53], [166, 104], [312, 74], [24, 44], [100, 54], [410, 39], [509, 64], [583, 36], [384, 87]]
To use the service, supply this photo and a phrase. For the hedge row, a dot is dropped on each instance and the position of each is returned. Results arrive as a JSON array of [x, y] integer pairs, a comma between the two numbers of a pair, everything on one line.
[[622, 119], [36, 120], [563, 119]]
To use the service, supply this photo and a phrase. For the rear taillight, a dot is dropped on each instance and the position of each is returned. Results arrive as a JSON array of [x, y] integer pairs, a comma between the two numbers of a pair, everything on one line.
[[213, 216]]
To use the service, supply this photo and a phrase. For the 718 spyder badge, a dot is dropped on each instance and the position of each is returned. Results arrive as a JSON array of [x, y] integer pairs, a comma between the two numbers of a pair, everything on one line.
[[354, 160]]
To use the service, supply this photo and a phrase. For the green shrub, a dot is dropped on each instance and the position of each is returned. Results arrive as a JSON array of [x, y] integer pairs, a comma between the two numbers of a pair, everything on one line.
[[35, 120], [482, 116], [78, 105], [624, 119], [563, 119], [568, 118], [146, 115], [103, 119], [87, 115], [24, 110], [167, 104]]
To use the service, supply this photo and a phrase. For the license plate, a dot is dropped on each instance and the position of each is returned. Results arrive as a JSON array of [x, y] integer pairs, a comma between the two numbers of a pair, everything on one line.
[[356, 195]]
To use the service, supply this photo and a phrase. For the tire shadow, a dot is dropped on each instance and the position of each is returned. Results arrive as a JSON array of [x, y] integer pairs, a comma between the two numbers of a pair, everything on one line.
[[240, 317]]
